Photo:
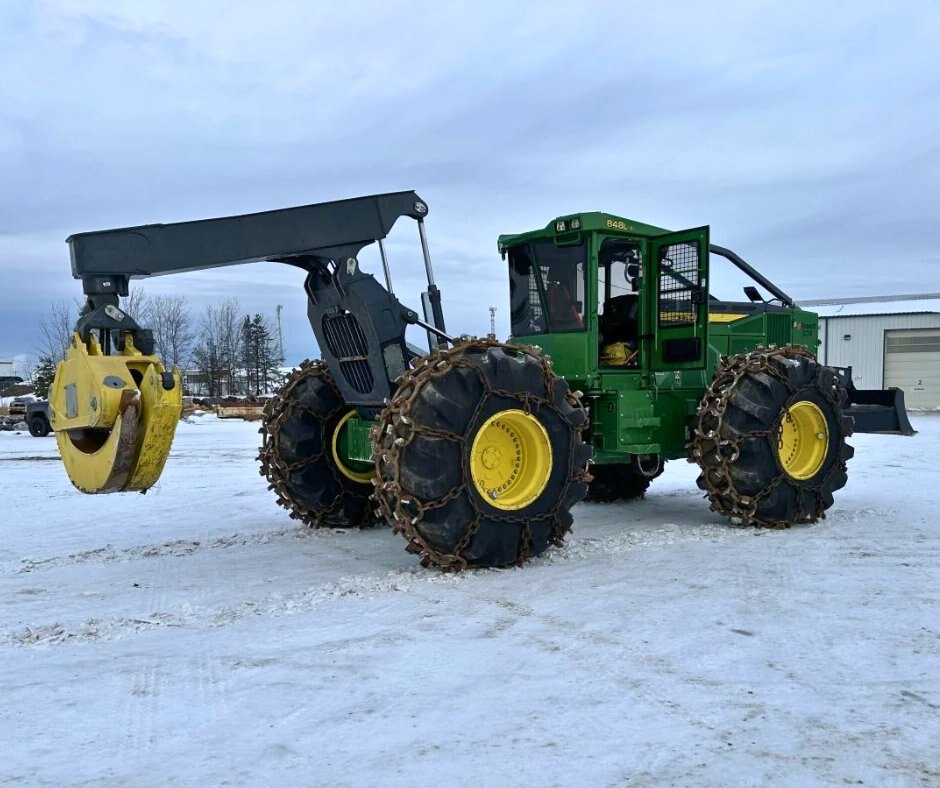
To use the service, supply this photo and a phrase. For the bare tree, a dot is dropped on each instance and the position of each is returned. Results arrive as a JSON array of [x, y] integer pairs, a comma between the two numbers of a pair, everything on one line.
[[169, 318], [137, 304], [25, 366], [55, 329], [206, 357], [230, 334], [216, 355]]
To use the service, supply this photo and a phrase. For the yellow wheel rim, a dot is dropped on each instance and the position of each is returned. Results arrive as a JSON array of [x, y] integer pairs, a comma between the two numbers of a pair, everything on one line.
[[511, 459], [363, 477], [804, 440]]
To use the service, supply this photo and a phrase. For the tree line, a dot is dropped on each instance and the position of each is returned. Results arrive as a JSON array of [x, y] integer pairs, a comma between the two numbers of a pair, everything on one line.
[[223, 351]]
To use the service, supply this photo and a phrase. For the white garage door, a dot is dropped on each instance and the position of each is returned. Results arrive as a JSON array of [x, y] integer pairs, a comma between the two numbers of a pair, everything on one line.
[[912, 363]]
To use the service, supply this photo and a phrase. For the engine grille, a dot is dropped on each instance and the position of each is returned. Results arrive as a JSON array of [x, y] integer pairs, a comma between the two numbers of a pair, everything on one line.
[[778, 329], [346, 340]]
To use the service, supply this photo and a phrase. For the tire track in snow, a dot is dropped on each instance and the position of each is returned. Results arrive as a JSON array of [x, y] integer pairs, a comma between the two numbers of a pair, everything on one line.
[[149, 676], [143, 706], [629, 540], [176, 548], [577, 548], [191, 616], [575, 642]]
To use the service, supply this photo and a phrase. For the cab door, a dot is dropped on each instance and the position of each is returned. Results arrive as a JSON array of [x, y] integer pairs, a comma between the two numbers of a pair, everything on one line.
[[678, 300]]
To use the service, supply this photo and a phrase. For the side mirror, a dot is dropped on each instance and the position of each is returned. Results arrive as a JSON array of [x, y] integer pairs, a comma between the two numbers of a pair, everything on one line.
[[633, 271]]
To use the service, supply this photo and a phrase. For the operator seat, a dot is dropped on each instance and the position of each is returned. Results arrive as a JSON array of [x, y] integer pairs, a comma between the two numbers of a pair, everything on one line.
[[618, 323], [619, 330], [563, 310]]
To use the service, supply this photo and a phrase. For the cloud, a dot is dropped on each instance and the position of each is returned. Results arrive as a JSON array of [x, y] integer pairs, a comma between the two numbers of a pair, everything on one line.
[[806, 138]]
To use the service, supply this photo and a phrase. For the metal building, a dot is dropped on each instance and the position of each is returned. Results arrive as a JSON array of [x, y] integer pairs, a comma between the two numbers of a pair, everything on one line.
[[887, 343], [6, 369]]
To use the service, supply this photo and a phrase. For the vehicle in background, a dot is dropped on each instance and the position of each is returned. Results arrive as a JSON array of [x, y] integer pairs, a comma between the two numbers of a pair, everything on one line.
[[38, 418]]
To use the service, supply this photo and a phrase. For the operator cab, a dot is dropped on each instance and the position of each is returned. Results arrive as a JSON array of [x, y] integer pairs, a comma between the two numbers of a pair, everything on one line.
[[548, 287], [635, 293]]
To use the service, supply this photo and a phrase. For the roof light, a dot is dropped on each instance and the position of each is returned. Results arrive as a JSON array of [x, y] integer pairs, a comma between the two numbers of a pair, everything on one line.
[[575, 224], [561, 226]]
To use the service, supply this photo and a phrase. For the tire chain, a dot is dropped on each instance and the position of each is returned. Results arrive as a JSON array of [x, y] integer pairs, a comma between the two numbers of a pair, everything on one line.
[[277, 471], [396, 429], [721, 492]]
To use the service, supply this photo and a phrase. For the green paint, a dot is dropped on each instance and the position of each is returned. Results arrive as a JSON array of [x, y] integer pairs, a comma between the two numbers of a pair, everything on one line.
[[649, 407], [354, 444]]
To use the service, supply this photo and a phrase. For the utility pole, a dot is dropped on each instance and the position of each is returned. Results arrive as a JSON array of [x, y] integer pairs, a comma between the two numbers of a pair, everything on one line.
[[493, 322], [280, 336]]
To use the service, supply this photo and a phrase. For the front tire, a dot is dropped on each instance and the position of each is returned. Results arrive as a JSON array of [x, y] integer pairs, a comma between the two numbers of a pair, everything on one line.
[[480, 456], [770, 438], [298, 455]]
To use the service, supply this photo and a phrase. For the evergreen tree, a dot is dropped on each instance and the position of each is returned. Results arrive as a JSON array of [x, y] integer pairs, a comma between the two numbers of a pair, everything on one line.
[[45, 372], [267, 355], [248, 356]]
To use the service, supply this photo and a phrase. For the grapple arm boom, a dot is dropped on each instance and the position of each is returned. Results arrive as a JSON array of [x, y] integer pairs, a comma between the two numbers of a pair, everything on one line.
[[115, 407], [105, 260]]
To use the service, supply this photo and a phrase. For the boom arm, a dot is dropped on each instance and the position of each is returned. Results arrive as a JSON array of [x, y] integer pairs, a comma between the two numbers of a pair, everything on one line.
[[359, 325], [106, 260]]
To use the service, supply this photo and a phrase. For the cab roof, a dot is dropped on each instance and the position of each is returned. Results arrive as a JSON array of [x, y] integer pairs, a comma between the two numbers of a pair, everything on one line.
[[567, 227]]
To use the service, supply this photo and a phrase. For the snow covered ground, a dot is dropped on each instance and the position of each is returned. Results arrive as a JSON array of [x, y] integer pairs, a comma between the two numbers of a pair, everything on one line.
[[196, 636]]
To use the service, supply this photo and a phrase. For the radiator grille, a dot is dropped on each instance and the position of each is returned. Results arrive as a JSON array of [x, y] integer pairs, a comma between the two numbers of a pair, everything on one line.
[[346, 340], [778, 329]]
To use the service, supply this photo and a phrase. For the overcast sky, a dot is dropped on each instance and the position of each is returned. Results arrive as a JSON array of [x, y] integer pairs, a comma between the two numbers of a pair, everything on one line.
[[807, 134]]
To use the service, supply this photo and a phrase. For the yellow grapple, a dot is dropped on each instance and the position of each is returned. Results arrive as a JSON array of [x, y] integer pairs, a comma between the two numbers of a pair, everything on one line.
[[114, 416]]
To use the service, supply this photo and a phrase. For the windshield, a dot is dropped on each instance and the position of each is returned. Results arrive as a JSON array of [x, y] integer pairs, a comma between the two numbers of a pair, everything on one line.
[[546, 288]]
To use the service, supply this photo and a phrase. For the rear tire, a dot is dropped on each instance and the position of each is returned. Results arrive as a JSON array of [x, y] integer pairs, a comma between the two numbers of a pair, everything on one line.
[[618, 482], [770, 438], [296, 455], [480, 456]]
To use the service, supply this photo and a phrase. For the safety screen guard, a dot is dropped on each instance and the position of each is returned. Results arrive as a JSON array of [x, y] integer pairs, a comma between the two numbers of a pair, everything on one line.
[[679, 300]]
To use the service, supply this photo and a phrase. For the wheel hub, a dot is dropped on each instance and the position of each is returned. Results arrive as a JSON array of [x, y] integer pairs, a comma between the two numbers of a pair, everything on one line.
[[352, 469], [511, 459], [803, 442], [491, 458]]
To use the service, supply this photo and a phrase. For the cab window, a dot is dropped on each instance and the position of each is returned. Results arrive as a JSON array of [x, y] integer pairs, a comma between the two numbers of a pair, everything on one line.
[[547, 288]]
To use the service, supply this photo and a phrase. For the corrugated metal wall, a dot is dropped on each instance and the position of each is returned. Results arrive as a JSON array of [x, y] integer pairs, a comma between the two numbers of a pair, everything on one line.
[[6, 368], [865, 350]]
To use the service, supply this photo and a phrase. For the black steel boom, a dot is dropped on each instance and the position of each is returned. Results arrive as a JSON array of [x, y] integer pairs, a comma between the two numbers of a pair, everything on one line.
[[359, 325], [105, 260]]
